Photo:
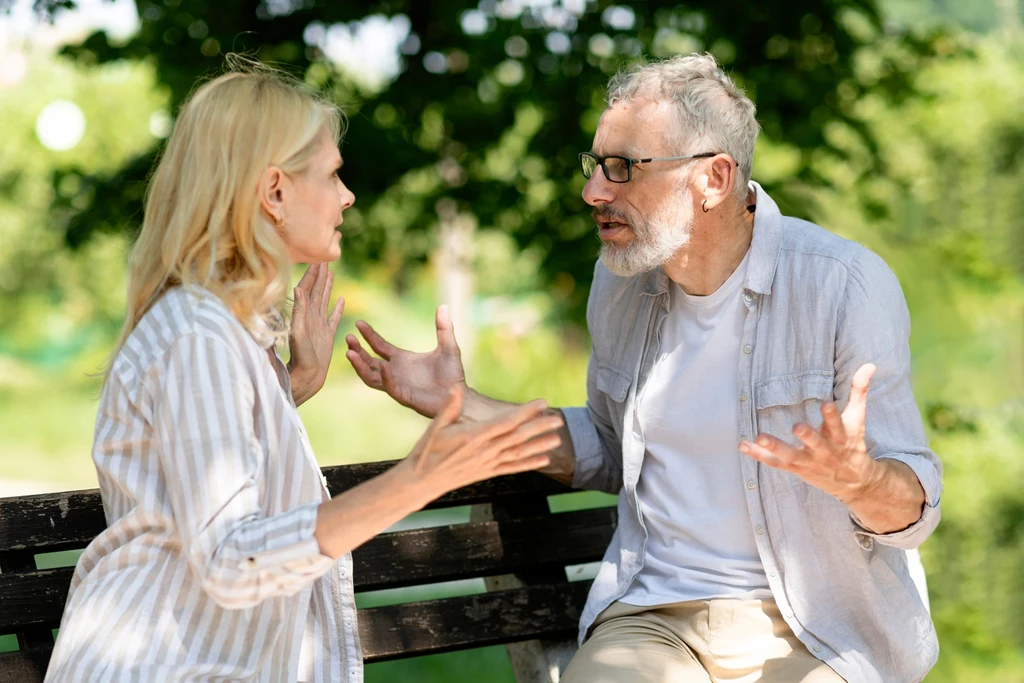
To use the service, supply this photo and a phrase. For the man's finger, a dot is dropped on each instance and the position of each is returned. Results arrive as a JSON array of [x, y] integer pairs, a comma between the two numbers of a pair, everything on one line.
[[770, 451], [364, 371], [376, 342], [856, 410], [445, 329], [832, 423], [812, 438], [355, 346]]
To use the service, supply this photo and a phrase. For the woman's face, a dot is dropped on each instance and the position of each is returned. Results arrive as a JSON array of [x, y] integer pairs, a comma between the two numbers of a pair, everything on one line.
[[309, 205]]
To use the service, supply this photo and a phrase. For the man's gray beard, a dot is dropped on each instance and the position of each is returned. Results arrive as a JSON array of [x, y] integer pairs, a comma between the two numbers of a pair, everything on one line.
[[652, 246]]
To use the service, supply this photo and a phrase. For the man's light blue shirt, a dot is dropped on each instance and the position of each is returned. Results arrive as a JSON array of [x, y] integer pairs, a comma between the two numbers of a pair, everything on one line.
[[818, 307]]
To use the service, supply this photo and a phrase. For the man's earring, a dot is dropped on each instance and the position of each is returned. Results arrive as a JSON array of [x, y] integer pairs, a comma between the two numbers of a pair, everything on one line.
[[704, 206]]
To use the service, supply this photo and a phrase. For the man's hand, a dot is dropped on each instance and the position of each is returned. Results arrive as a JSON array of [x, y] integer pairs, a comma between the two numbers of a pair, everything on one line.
[[835, 458], [885, 495], [421, 381], [312, 335]]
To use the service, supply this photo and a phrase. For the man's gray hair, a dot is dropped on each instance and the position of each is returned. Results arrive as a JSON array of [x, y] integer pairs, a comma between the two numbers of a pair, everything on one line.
[[714, 114]]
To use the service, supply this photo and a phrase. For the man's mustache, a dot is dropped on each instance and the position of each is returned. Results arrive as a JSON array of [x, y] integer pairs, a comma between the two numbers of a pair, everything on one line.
[[607, 216]]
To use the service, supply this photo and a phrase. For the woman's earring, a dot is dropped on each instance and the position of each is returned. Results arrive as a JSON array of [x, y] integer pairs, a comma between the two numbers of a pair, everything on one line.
[[704, 205], [278, 222]]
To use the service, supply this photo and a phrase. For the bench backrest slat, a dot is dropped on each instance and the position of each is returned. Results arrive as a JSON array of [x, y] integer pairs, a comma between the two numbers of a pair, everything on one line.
[[419, 628], [393, 560], [46, 523]]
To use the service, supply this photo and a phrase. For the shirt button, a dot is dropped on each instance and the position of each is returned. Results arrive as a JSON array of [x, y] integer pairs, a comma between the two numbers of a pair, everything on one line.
[[743, 397], [748, 297], [751, 485], [748, 348], [816, 648], [789, 614], [760, 529], [772, 573]]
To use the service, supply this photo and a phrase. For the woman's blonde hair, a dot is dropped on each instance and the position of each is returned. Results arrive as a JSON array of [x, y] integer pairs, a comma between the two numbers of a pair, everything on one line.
[[203, 223]]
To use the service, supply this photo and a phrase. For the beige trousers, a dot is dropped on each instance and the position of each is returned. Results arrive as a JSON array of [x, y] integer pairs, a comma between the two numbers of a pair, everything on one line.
[[703, 641]]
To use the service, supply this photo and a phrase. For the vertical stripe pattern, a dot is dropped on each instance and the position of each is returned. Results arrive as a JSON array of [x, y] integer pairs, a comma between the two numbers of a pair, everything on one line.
[[209, 569]]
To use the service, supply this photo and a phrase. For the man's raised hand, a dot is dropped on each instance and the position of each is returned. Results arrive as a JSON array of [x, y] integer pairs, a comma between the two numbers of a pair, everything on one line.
[[421, 381]]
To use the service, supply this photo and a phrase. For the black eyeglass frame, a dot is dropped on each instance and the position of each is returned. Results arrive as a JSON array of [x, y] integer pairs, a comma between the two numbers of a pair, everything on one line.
[[628, 161]]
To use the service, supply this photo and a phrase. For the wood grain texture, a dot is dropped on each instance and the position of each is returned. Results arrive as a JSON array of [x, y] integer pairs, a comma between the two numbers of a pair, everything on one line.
[[62, 521]]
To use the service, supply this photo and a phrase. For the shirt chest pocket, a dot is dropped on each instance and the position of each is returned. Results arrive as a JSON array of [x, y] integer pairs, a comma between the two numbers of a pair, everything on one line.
[[613, 382], [783, 401]]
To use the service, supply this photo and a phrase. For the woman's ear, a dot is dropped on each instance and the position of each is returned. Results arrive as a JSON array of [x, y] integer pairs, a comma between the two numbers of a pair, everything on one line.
[[272, 194]]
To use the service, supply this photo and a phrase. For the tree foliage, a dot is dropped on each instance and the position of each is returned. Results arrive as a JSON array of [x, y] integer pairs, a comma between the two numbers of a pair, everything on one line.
[[494, 100]]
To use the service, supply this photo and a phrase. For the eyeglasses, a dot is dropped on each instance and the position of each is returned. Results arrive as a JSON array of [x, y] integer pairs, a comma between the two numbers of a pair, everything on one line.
[[620, 169]]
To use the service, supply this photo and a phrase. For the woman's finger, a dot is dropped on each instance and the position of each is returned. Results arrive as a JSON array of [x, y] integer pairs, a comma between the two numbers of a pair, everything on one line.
[[325, 295], [534, 462], [508, 422], [448, 415], [316, 293], [536, 446], [298, 311], [306, 281], [335, 319], [528, 431]]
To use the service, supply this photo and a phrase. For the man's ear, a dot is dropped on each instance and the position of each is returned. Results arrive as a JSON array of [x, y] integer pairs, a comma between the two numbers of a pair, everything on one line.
[[272, 194], [718, 180]]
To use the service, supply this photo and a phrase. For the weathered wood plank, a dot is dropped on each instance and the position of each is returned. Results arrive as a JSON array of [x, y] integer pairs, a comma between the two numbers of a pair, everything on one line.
[[420, 628], [60, 521], [402, 558], [462, 551], [23, 667]]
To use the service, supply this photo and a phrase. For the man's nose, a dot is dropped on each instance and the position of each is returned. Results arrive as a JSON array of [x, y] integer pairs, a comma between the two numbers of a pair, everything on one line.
[[598, 190]]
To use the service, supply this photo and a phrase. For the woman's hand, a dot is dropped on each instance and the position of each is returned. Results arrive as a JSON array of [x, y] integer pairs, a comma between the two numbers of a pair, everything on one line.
[[448, 456], [421, 381], [312, 333], [453, 455]]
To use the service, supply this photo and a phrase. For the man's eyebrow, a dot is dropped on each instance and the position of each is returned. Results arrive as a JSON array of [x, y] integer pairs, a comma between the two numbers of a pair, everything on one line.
[[628, 152]]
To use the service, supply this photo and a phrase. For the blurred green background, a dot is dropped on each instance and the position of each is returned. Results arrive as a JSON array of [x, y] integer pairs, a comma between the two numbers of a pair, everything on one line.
[[897, 123]]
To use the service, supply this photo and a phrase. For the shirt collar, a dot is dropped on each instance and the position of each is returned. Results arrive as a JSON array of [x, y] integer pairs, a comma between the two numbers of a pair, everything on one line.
[[765, 247]]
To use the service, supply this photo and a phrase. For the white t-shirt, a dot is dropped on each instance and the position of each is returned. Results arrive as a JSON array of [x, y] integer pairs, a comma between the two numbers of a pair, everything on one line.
[[700, 542]]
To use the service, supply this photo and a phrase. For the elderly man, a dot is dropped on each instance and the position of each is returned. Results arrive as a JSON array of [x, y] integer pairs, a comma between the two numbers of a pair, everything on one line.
[[765, 500]]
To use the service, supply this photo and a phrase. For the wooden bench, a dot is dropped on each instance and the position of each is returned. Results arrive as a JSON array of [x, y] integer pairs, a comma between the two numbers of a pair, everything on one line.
[[512, 540]]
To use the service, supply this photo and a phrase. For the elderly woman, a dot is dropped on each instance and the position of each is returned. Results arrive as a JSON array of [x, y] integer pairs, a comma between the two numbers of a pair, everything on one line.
[[225, 557]]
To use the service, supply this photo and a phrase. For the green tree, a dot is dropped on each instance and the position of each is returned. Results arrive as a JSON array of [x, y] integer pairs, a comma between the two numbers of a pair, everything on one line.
[[494, 100]]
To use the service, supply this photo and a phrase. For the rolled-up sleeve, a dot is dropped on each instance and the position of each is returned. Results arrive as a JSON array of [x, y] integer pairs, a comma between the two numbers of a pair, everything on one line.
[[596, 445], [213, 465], [874, 327]]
